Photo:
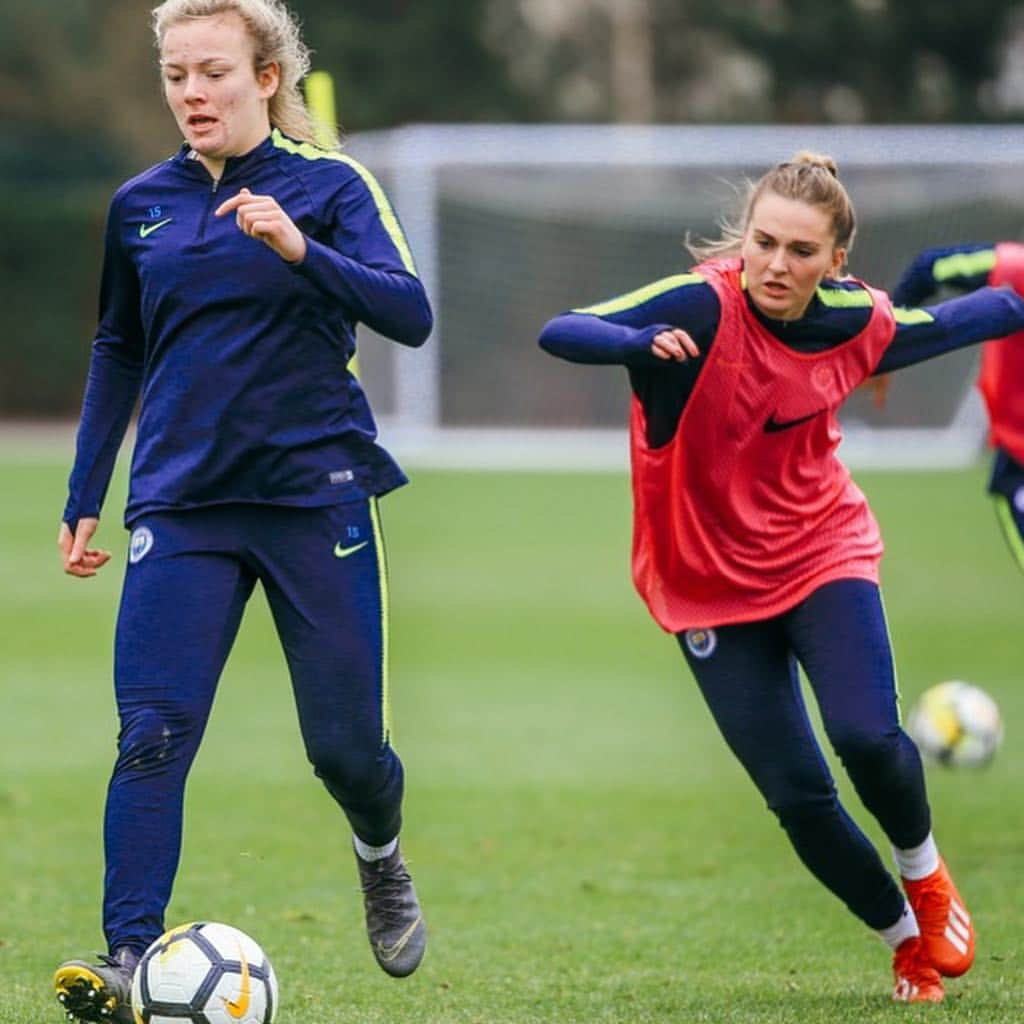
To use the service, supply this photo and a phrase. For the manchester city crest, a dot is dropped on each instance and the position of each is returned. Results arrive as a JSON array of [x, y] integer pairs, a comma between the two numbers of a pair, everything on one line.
[[140, 543], [701, 643]]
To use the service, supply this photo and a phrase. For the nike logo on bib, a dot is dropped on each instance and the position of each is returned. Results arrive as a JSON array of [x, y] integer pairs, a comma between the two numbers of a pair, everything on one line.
[[773, 426]]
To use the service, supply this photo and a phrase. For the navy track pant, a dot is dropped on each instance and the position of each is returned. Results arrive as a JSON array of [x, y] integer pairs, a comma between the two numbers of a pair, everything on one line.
[[1006, 485], [189, 576], [749, 678]]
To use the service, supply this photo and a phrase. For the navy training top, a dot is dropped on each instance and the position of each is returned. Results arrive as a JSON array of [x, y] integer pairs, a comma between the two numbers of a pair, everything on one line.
[[241, 357], [620, 331], [960, 267]]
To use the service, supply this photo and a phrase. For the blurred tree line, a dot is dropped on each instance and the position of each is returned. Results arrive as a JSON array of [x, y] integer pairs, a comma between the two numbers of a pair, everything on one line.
[[79, 76], [79, 100]]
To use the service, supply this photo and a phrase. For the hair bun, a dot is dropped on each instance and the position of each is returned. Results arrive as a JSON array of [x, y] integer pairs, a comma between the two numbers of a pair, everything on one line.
[[812, 159]]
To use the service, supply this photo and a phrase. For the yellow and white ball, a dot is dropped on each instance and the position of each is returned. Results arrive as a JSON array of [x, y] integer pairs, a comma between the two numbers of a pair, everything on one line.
[[956, 724]]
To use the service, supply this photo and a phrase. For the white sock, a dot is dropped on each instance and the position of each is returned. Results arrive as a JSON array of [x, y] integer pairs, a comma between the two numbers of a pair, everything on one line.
[[905, 928], [374, 852], [918, 862]]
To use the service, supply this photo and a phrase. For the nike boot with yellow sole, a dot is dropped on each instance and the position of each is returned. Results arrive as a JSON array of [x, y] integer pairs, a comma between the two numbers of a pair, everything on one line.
[[394, 921], [97, 993]]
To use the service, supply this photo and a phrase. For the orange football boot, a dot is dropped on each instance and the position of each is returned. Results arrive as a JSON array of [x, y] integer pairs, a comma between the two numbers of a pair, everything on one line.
[[946, 930], [916, 980]]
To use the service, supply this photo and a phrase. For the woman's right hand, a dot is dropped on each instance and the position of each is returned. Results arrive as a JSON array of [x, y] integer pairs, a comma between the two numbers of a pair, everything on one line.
[[674, 344], [78, 558]]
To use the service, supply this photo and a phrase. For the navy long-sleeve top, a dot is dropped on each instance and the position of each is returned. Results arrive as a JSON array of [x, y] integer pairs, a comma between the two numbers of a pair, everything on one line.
[[241, 358], [962, 268], [621, 330]]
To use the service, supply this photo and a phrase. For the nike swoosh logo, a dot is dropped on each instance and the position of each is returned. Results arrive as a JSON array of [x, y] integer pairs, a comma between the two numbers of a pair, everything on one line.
[[388, 953], [773, 426], [239, 1007], [340, 552], [145, 230]]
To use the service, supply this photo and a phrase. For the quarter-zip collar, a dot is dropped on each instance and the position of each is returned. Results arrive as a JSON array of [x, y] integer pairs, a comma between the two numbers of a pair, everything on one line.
[[189, 161]]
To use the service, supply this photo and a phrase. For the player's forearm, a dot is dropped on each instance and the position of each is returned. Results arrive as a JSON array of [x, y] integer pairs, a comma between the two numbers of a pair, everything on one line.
[[584, 338], [393, 303], [963, 267], [110, 393], [980, 316]]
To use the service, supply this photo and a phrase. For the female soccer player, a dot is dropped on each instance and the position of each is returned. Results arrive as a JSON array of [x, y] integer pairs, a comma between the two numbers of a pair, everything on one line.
[[965, 268], [235, 274], [755, 548]]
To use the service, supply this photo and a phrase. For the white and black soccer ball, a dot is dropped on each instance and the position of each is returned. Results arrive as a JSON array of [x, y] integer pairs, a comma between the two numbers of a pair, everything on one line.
[[204, 973], [957, 724]]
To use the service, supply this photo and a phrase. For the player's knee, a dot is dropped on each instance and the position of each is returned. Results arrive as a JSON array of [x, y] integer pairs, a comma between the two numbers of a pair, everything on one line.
[[145, 739], [805, 809], [866, 749], [350, 772]]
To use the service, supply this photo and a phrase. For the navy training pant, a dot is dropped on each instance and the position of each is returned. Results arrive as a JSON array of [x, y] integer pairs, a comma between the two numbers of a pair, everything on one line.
[[749, 678], [1006, 485], [189, 576]]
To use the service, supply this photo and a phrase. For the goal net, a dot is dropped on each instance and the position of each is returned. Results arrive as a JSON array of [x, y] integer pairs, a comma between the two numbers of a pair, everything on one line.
[[512, 224]]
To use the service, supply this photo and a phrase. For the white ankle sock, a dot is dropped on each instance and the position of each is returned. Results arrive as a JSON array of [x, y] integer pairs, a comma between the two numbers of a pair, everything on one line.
[[918, 862], [374, 852], [905, 928]]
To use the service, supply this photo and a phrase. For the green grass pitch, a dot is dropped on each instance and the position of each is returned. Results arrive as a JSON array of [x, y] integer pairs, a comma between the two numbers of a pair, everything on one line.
[[585, 848]]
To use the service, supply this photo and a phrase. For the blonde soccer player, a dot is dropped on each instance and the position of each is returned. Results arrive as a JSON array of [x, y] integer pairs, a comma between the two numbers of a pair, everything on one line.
[[753, 546]]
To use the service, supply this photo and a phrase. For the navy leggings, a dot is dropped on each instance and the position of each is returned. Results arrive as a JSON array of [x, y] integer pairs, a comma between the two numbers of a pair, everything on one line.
[[1006, 484], [189, 577], [748, 676]]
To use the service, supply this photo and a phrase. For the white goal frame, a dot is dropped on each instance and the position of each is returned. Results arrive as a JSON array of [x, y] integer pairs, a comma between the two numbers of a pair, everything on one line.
[[413, 157]]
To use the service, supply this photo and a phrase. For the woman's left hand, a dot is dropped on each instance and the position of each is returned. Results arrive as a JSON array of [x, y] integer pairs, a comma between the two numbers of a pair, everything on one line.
[[675, 344], [260, 217]]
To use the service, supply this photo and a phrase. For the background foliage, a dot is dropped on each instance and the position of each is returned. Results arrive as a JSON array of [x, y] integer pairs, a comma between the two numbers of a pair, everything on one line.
[[79, 100]]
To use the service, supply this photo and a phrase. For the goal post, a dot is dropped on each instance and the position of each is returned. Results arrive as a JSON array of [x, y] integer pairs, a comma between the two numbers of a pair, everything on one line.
[[512, 224]]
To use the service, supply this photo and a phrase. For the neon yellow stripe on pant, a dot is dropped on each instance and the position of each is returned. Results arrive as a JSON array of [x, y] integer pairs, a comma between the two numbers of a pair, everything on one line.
[[382, 575], [1009, 524]]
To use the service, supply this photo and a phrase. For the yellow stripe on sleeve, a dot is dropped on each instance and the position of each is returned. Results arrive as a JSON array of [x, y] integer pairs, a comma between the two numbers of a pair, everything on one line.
[[387, 215], [908, 317], [845, 298], [641, 295], [963, 264]]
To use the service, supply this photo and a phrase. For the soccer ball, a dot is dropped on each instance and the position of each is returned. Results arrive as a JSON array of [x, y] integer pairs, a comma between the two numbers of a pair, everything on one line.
[[204, 973], [956, 724]]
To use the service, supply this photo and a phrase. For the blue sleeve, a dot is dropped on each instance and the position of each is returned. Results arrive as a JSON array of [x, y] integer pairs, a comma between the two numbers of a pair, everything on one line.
[[620, 331], [982, 315], [115, 376], [962, 267], [366, 266]]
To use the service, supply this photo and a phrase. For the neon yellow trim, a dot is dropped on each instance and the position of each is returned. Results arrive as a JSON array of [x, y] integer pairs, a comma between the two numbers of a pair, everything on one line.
[[912, 316], [840, 298], [893, 662], [641, 295], [963, 264], [382, 575], [387, 215], [1010, 529], [319, 88]]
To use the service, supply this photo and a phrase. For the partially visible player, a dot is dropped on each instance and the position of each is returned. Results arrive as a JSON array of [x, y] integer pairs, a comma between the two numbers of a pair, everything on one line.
[[755, 548], [964, 268], [235, 275]]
